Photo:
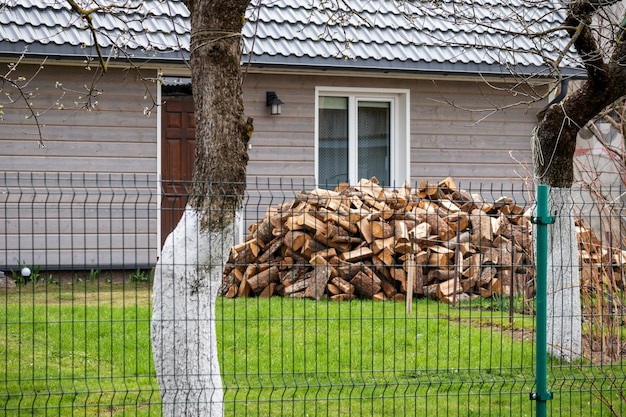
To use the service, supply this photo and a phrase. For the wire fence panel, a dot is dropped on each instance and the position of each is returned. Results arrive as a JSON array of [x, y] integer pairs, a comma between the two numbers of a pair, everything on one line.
[[75, 334], [358, 301]]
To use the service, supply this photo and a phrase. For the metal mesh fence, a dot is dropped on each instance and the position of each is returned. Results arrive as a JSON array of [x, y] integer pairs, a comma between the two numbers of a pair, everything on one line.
[[363, 301]]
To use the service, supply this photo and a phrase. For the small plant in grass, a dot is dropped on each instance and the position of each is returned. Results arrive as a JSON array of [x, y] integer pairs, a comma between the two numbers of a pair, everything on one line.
[[140, 276], [521, 305], [51, 280], [94, 274]]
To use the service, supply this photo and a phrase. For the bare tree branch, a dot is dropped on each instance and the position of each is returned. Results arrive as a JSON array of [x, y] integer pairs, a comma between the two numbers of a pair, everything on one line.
[[20, 85]]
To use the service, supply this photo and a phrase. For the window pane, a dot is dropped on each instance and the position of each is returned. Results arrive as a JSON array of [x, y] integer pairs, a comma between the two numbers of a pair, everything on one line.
[[333, 141], [374, 138]]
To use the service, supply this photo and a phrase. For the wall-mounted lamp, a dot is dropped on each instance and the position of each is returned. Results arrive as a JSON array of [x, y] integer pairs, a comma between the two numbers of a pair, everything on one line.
[[274, 103]]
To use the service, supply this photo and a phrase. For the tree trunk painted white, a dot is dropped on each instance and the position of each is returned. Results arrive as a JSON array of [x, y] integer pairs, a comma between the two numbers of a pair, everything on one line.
[[564, 330], [186, 281]]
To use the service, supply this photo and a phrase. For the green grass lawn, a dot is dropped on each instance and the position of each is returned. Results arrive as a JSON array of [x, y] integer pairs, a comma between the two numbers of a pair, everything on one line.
[[82, 349], [85, 350]]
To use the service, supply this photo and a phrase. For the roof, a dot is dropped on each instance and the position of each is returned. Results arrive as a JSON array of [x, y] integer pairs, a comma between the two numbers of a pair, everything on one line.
[[143, 29], [460, 36]]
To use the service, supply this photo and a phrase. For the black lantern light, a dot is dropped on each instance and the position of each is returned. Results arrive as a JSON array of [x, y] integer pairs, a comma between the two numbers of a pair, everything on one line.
[[274, 103]]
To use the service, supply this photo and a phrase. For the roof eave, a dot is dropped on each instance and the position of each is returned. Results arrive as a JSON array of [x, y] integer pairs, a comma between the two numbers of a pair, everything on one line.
[[409, 67], [77, 53]]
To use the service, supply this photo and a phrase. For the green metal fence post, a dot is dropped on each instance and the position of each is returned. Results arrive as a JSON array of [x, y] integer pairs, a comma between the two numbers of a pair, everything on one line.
[[542, 220]]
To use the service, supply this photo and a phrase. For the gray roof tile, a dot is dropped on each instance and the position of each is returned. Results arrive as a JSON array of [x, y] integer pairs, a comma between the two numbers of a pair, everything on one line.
[[300, 33]]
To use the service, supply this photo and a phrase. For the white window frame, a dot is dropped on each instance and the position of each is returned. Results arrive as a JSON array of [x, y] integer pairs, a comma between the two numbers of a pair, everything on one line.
[[400, 123]]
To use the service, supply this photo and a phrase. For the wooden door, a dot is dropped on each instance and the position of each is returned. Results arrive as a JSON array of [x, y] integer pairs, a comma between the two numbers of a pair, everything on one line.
[[178, 144]]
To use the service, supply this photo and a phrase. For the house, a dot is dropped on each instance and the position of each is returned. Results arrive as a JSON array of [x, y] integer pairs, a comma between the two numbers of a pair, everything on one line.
[[395, 93]]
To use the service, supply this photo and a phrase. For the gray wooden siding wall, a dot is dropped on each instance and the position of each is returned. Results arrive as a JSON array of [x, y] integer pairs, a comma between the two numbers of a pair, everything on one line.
[[445, 140], [492, 155], [89, 199], [50, 222]]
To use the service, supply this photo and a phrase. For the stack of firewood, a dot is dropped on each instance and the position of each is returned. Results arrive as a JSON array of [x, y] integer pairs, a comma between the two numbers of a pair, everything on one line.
[[602, 266], [371, 242], [367, 241]]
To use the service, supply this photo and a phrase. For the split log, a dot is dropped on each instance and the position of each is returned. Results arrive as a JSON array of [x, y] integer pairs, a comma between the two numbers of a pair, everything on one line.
[[481, 225], [311, 246], [381, 229], [297, 286], [294, 239], [379, 244], [271, 250], [356, 254], [366, 283], [268, 291], [343, 297], [343, 285], [450, 287], [261, 280], [332, 289], [389, 289], [366, 230], [317, 283], [264, 230]]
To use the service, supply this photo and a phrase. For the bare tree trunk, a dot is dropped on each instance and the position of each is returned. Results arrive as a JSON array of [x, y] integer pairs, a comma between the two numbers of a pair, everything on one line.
[[554, 144], [553, 153], [564, 329], [186, 282], [189, 270]]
